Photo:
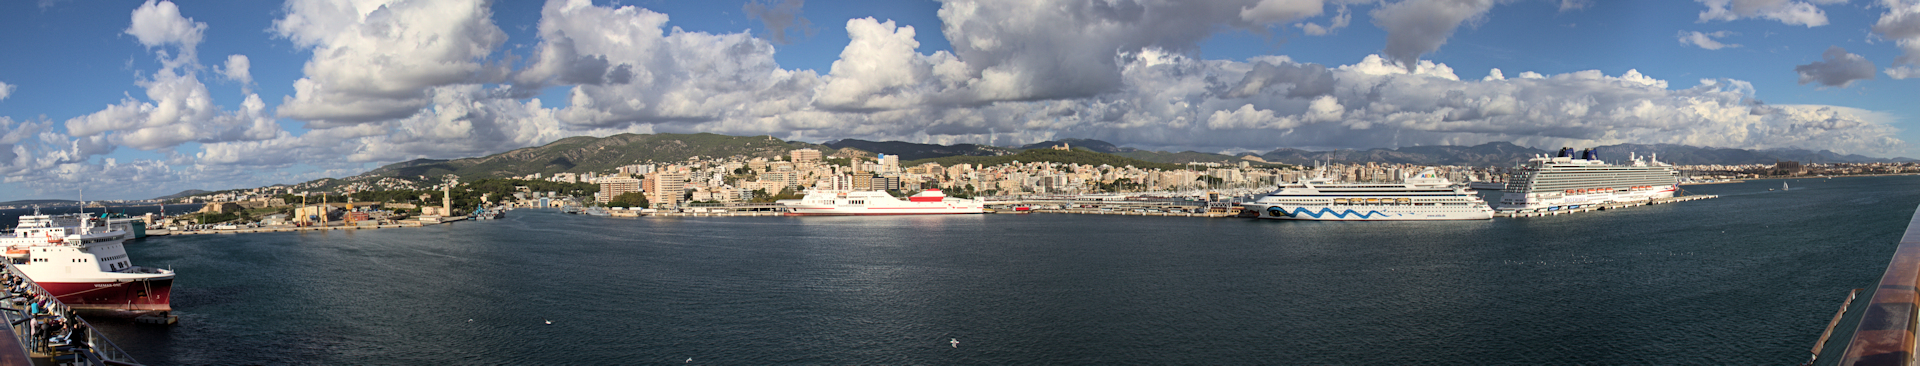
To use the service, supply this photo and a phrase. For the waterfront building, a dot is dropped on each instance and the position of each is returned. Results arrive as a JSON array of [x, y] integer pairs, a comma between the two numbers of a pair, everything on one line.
[[665, 189], [615, 186]]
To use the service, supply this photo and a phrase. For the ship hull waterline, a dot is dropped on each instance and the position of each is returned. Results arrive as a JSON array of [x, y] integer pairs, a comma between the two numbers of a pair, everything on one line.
[[131, 296]]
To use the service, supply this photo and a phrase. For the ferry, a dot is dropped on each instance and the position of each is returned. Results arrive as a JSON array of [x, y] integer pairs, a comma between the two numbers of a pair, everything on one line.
[[841, 203], [1424, 196], [85, 265], [1566, 180]]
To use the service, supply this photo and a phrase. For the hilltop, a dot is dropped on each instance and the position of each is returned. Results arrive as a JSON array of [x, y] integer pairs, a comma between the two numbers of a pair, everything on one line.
[[39, 202], [583, 154], [912, 151], [185, 193]]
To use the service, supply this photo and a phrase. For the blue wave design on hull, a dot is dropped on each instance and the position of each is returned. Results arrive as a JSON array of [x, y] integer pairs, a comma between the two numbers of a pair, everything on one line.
[[1276, 211]]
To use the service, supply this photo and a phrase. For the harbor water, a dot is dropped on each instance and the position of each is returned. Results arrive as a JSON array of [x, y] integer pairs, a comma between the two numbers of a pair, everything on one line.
[[1747, 278]]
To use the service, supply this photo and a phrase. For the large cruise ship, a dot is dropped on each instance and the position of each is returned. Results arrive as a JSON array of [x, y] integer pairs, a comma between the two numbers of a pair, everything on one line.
[[838, 203], [1424, 196], [85, 265], [1566, 181]]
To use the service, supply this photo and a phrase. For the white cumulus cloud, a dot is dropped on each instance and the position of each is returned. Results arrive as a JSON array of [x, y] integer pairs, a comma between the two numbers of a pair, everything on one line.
[[1901, 23], [375, 60], [1706, 40], [179, 108], [237, 69], [6, 90]]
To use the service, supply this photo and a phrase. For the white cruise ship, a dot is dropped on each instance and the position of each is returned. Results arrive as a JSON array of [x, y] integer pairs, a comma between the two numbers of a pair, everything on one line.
[[1566, 182], [840, 203], [1425, 196]]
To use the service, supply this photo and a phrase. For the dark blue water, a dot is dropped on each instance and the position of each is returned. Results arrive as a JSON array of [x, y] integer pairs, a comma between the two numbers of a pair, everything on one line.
[[1749, 278]]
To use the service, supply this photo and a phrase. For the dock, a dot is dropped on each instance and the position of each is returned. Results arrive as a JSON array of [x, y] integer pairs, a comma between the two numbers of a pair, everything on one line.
[[1602, 207], [283, 229], [636, 213], [1137, 213]]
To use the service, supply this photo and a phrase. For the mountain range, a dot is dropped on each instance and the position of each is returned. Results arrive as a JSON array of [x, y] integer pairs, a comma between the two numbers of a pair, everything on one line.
[[1507, 154]]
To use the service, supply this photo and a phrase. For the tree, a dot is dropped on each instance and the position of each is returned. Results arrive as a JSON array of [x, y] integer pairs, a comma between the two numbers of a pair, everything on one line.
[[217, 217], [629, 199]]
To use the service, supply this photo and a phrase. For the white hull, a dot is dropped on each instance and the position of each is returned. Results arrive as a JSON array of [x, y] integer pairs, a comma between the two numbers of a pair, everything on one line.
[[851, 211], [1367, 213], [1583, 200], [1425, 196], [837, 203]]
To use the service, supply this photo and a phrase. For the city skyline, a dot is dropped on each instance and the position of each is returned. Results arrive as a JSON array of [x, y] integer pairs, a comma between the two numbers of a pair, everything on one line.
[[132, 99]]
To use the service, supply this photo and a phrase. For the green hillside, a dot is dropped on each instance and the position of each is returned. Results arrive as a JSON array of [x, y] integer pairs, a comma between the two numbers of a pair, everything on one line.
[[591, 154]]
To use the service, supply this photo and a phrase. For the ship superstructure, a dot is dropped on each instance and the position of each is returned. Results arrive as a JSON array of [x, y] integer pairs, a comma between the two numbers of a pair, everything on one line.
[[1424, 196], [836, 203], [85, 264], [1567, 181]]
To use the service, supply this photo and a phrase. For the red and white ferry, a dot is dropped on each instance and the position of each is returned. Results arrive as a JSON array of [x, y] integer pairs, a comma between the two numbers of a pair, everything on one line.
[[85, 265], [833, 203]]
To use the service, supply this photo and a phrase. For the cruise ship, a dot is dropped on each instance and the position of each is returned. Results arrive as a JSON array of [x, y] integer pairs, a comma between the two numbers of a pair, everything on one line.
[[840, 203], [84, 264], [1566, 181], [1424, 196]]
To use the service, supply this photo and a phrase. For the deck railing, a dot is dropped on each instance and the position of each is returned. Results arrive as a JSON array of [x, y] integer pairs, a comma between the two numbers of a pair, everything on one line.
[[83, 344], [1886, 332]]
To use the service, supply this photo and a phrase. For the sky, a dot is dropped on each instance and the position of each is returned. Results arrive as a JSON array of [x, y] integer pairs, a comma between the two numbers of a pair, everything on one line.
[[137, 99]]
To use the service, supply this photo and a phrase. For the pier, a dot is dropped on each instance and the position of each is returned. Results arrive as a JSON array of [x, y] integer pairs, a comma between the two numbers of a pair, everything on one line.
[[43, 331], [1601, 207], [282, 229], [634, 213], [1138, 213]]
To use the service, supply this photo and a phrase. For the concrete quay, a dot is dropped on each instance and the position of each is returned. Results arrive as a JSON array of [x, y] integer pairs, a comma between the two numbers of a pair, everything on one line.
[[1602, 207], [283, 229], [628, 213], [1132, 213]]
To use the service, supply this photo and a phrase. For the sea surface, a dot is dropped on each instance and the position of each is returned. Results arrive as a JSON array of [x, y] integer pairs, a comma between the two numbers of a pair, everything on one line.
[[1749, 278]]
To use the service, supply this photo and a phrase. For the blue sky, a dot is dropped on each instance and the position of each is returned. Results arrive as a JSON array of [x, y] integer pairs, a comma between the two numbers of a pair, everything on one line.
[[135, 99]]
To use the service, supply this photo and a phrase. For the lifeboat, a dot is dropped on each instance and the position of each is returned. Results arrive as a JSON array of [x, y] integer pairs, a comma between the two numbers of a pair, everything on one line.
[[1373, 201], [1406, 201], [1339, 201], [17, 253]]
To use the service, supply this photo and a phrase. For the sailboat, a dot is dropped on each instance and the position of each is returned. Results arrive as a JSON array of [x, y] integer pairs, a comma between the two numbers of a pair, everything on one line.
[[1783, 186]]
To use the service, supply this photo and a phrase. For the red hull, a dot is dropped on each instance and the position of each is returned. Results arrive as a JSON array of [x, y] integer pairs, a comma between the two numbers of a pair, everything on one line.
[[130, 296]]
